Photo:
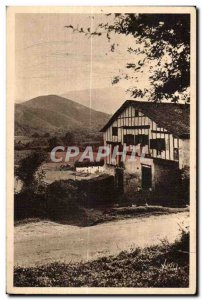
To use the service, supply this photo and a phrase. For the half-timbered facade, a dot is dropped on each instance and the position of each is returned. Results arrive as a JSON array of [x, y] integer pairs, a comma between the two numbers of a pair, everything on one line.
[[159, 135]]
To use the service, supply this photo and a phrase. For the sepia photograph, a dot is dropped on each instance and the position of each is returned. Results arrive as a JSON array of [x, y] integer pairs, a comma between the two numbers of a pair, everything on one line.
[[101, 150]]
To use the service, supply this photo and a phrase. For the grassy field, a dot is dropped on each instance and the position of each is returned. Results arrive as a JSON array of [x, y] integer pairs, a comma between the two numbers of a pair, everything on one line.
[[166, 265]]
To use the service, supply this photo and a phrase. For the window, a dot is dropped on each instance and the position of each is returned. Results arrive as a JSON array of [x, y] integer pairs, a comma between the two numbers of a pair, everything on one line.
[[142, 139], [114, 131], [136, 113], [153, 144], [176, 153], [158, 144], [128, 139]]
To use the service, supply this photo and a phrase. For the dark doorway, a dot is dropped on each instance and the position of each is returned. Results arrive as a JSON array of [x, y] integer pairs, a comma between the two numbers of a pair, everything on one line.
[[146, 177], [119, 179]]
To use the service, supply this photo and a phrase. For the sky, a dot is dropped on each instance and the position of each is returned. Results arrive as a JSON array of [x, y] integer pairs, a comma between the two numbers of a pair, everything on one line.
[[51, 59]]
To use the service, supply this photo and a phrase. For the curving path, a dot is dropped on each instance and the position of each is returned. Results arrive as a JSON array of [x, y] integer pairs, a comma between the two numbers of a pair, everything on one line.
[[45, 242]]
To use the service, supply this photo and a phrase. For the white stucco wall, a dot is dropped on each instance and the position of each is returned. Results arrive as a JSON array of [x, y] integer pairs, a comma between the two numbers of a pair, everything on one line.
[[91, 170]]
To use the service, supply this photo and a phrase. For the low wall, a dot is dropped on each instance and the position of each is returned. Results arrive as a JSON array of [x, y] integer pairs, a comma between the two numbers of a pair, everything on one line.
[[91, 170], [98, 190]]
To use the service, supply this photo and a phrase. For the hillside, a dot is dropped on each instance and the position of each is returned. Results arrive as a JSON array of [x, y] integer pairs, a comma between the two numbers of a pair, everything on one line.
[[54, 114]]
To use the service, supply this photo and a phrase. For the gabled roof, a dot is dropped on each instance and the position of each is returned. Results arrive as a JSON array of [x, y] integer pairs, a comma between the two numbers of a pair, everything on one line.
[[174, 117]]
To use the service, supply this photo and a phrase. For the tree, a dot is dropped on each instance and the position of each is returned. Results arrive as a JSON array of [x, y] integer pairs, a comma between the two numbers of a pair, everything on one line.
[[35, 135], [46, 135], [54, 141], [28, 167], [68, 139], [164, 42]]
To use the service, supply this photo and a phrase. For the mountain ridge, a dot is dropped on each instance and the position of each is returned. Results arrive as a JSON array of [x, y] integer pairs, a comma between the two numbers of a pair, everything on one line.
[[55, 114]]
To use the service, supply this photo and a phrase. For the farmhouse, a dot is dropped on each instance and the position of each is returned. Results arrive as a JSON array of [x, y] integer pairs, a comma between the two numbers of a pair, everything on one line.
[[159, 133]]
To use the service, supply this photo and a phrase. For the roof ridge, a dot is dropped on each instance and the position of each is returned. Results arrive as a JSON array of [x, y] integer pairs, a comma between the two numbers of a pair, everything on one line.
[[154, 102], [176, 118]]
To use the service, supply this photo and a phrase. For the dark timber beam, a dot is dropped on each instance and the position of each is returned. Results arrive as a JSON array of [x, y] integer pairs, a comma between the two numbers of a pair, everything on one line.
[[137, 127]]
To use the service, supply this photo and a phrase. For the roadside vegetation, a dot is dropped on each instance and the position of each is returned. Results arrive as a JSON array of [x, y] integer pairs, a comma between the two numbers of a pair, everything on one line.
[[82, 203], [82, 217], [69, 202], [166, 265]]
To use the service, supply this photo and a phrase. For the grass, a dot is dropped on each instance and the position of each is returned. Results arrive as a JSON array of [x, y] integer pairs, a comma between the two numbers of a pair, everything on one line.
[[90, 217], [27, 220], [166, 265]]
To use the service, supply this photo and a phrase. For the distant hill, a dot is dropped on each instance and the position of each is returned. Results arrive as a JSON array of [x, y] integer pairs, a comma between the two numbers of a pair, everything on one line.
[[107, 100], [55, 114]]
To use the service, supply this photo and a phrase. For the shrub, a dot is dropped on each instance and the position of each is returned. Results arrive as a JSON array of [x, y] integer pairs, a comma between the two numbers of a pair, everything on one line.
[[28, 167], [183, 242], [68, 138], [35, 135], [63, 198], [29, 204], [46, 135], [53, 142], [59, 201], [185, 184]]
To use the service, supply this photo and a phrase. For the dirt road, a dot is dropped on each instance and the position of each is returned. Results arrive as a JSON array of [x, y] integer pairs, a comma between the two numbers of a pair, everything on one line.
[[45, 242]]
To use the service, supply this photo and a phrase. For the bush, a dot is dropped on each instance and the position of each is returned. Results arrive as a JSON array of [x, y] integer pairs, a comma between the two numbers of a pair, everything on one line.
[[29, 204], [63, 199], [54, 142], [46, 135], [28, 167], [185, 185], [59, 201], [68, 138], [183, 242], [19, 146], [35, 135]]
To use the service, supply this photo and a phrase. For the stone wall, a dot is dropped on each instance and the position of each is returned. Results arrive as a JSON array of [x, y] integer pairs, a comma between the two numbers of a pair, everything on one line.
[[166, 182], [98, 190], [184, 153]]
